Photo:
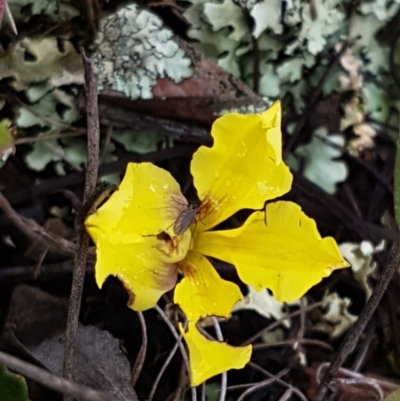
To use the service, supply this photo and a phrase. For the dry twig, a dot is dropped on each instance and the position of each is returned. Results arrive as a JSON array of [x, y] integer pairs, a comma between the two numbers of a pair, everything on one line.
[[137, 368], [93, 140], [54, 382], [280, 321], [33, 230], [224, 376], [180, 344]]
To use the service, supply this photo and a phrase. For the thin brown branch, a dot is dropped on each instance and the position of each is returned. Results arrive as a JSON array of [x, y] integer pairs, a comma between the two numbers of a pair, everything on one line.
[[256, 387], [280, 321], [93, 140], [162, 370], [180, 343], [224, 376], [292, 342], [278, 380], [386, 385], [22, 141], [33, 230], [353, 335], [54, 382], [12, 274], [142, 352], [344, 382], [140, 121]]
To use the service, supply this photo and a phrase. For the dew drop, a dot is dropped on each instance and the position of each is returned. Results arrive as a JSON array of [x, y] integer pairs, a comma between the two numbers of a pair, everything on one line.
[[217, 175], [228, 183], [243, 152], [262, 187]]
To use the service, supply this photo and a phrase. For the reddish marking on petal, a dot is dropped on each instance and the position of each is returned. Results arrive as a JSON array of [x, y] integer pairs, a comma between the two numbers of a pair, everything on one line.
[[206, 207], [187, 269], [209, 205]]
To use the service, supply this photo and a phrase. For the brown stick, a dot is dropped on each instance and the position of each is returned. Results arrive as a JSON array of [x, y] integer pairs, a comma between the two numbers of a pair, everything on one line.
[[54, 382], [93, 139], [137, 369], [33, 230], [353, 335]]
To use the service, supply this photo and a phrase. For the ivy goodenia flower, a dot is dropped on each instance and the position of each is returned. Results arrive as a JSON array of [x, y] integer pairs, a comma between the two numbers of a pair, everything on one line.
[[278, 247]]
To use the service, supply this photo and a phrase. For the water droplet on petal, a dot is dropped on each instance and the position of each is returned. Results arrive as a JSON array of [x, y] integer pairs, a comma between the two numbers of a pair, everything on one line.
[[262, 187], [228, 182], [217, 175], [243, 151]]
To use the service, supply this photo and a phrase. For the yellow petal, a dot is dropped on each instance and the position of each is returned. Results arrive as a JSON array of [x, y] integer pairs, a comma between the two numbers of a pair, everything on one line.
[[286, 255], [147, 202], [128, 233], [271, 122], [138, 266], [243, 168], [210, 358], [202, 292]]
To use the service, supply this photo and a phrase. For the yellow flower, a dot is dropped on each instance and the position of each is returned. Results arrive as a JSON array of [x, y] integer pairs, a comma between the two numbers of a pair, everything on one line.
[[279, 247]]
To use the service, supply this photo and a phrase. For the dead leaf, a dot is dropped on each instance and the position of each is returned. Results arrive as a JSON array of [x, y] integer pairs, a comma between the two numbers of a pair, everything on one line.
[[99, 363], [33, 60], [34, 314], [38, 321]]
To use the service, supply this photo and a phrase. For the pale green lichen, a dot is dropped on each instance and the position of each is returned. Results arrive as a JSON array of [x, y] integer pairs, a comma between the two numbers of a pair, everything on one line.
[[38, 60], [320, 164], [135, 50], [55, 9]]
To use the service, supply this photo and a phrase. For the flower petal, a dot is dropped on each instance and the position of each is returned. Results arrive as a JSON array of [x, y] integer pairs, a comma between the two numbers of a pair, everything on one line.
[[271, 121], [202, 292], [147, 202], [139, 266], [243, 168], [134, 237], [282, 251], [210, 358]]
